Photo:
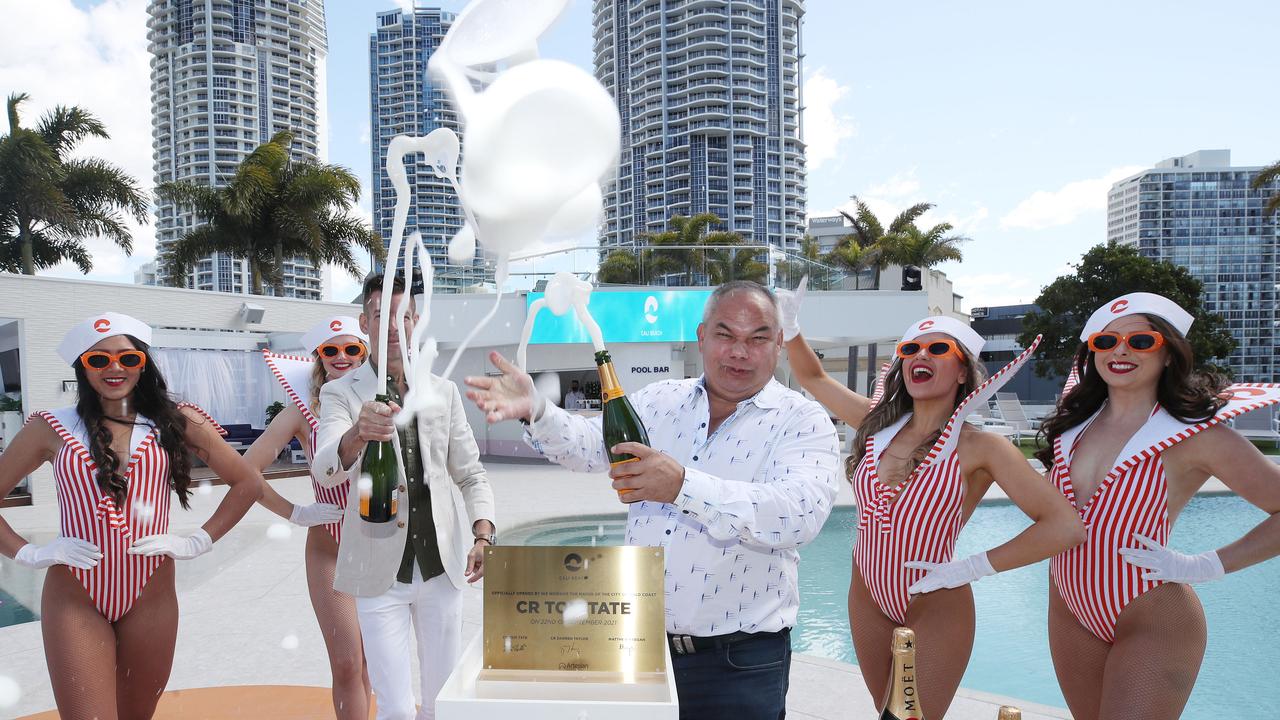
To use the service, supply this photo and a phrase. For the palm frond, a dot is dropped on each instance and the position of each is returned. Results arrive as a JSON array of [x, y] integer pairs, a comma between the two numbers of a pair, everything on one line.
[[64, 127]]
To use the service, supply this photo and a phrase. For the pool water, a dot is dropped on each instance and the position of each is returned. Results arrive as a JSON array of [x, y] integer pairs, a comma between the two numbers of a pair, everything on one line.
[[1011, 652], [13, 612]]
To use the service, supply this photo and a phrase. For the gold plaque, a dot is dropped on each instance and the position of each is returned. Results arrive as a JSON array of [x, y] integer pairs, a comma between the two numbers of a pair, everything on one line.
[[596, 612]]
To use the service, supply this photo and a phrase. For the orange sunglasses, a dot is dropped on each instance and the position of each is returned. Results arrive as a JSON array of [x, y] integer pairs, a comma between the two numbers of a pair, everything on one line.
[[330, 350], [101, 360], [1143, 341], [936, 348]]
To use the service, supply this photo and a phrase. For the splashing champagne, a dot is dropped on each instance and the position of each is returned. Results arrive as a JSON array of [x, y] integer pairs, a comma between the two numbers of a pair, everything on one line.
[[620, 422], [377, 484], [1008, 712], [902, 702]]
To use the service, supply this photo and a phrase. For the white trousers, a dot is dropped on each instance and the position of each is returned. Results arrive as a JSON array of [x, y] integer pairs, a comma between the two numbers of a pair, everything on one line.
[[434, 607]]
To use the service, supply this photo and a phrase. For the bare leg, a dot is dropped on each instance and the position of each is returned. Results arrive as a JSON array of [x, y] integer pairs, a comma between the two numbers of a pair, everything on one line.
[[1079, 658], [944, 624], [872, 634], [1160, 641], [145, 638], [336, 613], [79, 648]]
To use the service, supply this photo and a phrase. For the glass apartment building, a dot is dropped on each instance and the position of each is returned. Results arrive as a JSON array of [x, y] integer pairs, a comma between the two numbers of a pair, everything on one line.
[[1198, 211], [227, 75], [709, 95], [405, 101]]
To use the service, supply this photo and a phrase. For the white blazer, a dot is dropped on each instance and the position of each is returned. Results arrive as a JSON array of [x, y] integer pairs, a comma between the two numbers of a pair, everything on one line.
[[370, 554]]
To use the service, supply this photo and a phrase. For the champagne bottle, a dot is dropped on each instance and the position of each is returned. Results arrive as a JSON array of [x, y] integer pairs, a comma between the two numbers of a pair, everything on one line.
[[902, 702], [620, 422], [377, 485], [1008, 712]]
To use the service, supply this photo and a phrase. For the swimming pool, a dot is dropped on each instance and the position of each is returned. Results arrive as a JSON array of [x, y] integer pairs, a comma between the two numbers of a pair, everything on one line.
[[1013, 606]]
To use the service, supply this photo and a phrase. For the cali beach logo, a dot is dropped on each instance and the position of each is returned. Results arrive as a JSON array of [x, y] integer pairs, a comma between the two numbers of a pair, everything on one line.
[[651, 317], [336, 325], [925, 325], [1119, 306], [102, 325]]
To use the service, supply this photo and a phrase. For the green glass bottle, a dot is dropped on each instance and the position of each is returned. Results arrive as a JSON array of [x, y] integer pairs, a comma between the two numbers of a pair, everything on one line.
[[902, 702], [620, 421], [377, 484]]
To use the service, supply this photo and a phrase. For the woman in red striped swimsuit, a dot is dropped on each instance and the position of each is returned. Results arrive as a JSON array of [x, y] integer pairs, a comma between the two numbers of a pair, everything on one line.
[[918, 472], [109, 613], [1129, 446], [337, 347]]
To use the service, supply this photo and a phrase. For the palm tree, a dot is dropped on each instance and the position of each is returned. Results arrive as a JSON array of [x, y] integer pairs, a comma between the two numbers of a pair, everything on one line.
[[51, 203], [1267, 176], [862, 249], [271, 209], [916, 248], [619, 268]]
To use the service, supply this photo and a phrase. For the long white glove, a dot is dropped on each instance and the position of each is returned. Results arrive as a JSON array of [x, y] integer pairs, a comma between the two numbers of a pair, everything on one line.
[[315, 514], [1172, 566], [175, 546], [70, 551], [951, 574], [789, 309]]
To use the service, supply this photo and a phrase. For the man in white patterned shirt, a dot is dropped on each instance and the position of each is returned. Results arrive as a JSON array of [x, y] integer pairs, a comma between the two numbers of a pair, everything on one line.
[[741, 472]]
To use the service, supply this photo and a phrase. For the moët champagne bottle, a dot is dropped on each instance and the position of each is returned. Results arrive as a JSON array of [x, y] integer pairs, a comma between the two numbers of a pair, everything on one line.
[[620, 421], [377, 483], [902, 702]]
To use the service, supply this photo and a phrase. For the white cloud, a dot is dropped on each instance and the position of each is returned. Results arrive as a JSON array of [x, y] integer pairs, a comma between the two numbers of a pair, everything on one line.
[[96, 59], [823, 127], [1046, 209], [902, 185], [991, 289]]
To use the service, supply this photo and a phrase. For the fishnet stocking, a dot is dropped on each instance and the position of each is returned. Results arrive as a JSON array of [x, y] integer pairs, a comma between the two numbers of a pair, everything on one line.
[[104, 671], [1150, 670], [943, 621], [336, 613]]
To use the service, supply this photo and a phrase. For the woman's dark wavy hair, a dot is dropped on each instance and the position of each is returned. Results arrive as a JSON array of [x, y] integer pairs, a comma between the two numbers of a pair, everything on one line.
[[896, 402], [150, 399], [1187, 394]]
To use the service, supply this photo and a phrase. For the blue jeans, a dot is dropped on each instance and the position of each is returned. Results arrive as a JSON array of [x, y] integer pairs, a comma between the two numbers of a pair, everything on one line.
[[742, 680]]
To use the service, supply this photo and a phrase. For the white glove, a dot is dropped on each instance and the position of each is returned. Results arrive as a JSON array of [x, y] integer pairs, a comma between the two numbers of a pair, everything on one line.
[[70, 551], [315, 514], [175, 546], [949, 575], [1172, 566], [789, 309]]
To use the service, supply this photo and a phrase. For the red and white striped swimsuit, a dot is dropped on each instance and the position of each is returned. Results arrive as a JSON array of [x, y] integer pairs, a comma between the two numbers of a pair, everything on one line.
[[85, 512], [294, 373], [1093, 578], [920, 518]]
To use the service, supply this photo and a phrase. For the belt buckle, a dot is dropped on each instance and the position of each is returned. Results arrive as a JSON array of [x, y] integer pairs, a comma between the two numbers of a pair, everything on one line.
[[682, 644]]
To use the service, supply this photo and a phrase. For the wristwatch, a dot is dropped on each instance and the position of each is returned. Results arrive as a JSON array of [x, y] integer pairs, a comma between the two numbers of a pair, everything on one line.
[[491, 538]]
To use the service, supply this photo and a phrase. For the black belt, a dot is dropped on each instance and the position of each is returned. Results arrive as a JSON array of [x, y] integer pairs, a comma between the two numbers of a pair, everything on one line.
[[690, 644]]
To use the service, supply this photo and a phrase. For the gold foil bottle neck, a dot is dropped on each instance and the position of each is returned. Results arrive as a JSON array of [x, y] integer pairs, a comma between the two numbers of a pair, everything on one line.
[[1009, 713], [904, 639]]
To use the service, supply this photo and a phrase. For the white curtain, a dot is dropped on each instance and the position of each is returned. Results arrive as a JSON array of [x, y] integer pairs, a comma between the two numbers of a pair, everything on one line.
[[234, 386]]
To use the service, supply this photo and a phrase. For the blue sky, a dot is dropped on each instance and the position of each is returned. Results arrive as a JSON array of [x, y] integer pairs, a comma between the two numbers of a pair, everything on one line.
[[1013, 117]]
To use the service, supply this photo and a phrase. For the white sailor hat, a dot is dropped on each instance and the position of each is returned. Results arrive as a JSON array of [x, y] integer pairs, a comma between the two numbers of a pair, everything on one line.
[[1139, 303], [93, 330], [331, 328], [964, 334]]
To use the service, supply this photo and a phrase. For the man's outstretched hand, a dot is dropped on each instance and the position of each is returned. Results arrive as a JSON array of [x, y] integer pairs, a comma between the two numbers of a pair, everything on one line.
[[510, 396]]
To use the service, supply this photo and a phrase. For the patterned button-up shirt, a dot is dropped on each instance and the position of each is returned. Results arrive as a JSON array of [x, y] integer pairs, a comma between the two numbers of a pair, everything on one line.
[[755, 490]]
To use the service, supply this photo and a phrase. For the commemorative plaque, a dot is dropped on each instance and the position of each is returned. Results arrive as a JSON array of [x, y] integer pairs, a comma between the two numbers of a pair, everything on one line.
[[595, 612]]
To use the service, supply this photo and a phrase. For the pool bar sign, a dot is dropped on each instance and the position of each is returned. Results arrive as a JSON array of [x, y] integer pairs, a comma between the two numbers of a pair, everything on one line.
[[594, 612], [627, 317]]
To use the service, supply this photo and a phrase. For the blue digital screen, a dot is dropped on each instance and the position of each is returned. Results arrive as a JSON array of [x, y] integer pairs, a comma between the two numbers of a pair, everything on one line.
[[626, 317]]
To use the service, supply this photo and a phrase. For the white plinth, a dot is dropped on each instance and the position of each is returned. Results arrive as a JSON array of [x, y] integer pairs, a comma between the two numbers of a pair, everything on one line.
[[462, 698]]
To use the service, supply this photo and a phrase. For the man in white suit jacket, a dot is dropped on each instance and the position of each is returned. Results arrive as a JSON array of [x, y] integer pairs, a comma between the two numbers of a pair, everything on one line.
[[408, 573]]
